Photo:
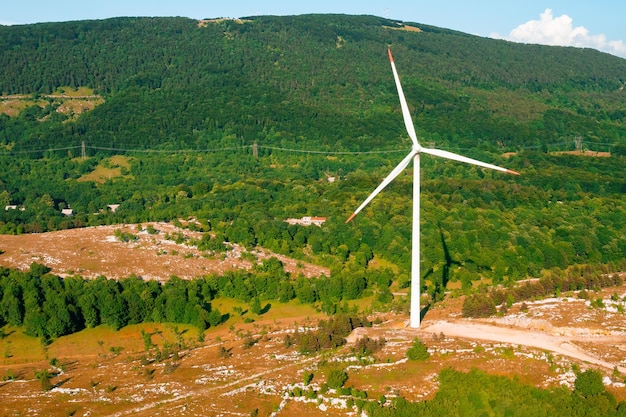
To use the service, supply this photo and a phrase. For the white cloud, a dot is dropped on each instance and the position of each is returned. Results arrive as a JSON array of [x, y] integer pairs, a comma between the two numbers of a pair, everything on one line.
[[560, 31]]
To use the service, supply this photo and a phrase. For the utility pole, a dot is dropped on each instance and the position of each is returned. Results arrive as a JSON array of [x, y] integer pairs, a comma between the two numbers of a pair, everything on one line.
[[578, 141], [82, 150], [255, 150]]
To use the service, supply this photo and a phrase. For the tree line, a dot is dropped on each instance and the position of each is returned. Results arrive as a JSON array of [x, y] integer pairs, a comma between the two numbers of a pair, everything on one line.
[[49, 306], [554, 283]]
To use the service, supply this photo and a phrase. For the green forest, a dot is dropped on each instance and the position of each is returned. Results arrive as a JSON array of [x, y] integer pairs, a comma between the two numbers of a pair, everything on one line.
[[241, 124]]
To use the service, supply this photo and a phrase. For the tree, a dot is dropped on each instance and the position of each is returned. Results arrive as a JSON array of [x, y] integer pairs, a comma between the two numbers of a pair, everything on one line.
[[256, 306], [589, 383], [5, 199], [113, 310], [88, 305], [37, 270], [215, 317], [305, 291], [12, 304], [478, 305], [336, 378], [59, 320], [353, 285], [418, 351], [286, 292], [47, 201]]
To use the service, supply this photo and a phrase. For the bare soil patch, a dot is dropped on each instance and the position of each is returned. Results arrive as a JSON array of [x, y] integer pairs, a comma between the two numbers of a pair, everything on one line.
[[585, 153], [94, 251]]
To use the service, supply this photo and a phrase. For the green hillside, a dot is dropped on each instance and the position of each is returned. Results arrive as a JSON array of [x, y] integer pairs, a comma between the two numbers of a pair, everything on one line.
[[185, 102], [318, 80]]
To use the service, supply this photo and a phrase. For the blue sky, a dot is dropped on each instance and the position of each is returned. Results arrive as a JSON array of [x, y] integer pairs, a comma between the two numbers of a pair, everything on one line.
[[597, 24]]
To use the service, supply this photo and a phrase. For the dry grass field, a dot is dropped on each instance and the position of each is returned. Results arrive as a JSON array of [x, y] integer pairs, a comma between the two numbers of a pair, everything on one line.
[[95, 251], [104, 372], [69, 101], [242, 369]]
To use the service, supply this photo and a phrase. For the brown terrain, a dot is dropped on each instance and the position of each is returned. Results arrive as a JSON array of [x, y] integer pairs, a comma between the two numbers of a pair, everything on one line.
[[68, 100], [244, 365], [94, 251]]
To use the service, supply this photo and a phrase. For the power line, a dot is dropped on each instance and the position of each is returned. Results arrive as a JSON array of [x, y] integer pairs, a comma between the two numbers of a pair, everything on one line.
[[84, 146], [275, 148], [102, 148], [234, 148], [41, 150]]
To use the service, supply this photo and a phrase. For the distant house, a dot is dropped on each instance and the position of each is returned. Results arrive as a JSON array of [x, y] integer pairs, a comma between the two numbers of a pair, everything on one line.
[[10, 207], [317, 221], [113, 207], [308, 221], [67, 212]]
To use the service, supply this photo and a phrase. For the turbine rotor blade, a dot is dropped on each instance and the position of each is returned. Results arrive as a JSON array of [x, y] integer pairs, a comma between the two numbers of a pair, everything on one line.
[[460, 158], [408, 123], [393, 174]]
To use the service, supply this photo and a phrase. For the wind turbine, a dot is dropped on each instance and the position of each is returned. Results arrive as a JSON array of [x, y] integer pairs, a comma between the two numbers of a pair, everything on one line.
[[414, 155]]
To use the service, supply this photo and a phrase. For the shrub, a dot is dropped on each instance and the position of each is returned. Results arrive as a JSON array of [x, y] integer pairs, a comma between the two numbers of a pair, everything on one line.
[[597, 303], [170, 367], [224, 353], [367, 346], [44, 378], [478, 305], [330, 334], [249, 341], [124, 236], [336, 378], [418, 351], [307, 378]]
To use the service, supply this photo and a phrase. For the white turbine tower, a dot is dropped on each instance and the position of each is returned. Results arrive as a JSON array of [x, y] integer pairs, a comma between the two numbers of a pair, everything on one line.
[[415, 155]]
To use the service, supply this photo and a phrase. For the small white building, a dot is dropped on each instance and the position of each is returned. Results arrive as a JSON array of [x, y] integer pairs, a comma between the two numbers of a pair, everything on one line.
[[308, 221], [67, 212]]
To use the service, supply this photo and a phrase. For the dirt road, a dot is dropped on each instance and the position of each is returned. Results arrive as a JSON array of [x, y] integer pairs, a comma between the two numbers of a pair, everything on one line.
[[563, 345]]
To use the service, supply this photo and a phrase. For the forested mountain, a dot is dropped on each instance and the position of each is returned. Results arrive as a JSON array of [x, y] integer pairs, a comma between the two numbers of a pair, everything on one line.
[[186, 100], [321, 81]]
